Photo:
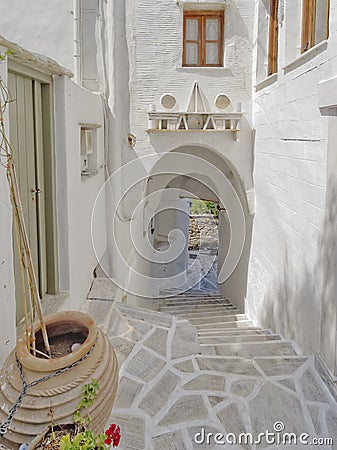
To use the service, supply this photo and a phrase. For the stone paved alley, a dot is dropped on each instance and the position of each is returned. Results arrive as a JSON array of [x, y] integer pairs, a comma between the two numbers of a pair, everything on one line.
[[196, 362]]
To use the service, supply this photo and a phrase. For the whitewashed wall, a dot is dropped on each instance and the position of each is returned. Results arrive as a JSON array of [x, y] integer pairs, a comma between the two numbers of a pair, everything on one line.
[[285, 287], [155, 49], [76, 194], [7, 288]]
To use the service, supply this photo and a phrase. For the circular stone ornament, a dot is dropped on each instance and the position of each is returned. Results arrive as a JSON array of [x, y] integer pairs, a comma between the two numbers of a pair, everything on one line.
[[222, 101], [168, 101]]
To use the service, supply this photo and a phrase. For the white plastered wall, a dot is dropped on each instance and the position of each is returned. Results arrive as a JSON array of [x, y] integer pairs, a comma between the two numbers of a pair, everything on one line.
[[76, 194], [155, 49], [7, 288], [287, 270], [328, 104]]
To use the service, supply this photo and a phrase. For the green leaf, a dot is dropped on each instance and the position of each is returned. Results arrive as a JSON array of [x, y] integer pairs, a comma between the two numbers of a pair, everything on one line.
[[66, 444], [78, 417], [5, 54]]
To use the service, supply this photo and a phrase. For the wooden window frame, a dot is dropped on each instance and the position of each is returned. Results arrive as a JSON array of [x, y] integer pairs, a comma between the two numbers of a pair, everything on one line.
[[201, 16], [273, 38], [309, 23]]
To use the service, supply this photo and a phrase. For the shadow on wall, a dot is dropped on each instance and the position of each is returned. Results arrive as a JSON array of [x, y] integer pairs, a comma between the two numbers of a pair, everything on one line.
[[301, 303], [329, 266], [292, 307], [235, 287]]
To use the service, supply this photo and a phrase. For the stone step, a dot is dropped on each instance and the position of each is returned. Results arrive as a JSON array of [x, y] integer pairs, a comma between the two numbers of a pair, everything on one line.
[[207, 301], [211, 340], [196, 300], [195, 308], [154, 317], [279, 366], [234, 332], [192, 294], [276, 365], [191, 299], [209, 313], [225, 325], [193, 305], [197, 296], [251, 349], [199, 314], [190, 309], [218, 319]]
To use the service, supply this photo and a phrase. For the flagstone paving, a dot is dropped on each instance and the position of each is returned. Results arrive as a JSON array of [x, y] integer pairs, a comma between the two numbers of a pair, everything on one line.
[[180, 381]]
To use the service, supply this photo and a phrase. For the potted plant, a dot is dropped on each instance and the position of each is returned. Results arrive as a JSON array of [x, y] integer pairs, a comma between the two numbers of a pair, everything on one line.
[[78, 435], [52, 387]]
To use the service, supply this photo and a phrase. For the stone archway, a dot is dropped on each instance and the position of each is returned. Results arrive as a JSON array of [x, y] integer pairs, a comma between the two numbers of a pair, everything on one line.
[[176, 180]]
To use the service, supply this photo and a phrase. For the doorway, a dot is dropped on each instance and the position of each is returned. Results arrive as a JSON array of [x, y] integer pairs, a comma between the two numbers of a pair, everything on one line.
[[203, 245], [31, 138]]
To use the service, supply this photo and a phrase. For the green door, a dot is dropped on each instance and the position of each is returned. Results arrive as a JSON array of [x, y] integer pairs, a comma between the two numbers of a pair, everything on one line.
[[26, 137]]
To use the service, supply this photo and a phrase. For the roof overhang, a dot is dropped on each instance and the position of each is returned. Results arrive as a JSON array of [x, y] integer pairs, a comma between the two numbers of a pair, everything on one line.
[[35, 60]]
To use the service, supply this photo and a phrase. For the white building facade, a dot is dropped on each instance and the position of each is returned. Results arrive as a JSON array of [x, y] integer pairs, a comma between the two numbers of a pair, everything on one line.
[[224, 100], [291, 286]]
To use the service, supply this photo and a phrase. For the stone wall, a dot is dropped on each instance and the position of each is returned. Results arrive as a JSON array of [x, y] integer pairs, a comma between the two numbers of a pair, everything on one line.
[[203, 232]]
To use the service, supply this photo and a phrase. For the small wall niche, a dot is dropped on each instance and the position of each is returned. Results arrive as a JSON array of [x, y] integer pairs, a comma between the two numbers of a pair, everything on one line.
[[88, 146]]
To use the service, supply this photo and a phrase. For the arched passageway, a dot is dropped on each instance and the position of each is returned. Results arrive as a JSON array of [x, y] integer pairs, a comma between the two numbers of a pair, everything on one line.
[[175, 178]]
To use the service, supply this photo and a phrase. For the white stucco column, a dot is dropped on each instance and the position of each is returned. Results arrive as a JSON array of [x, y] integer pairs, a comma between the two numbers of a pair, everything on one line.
[[7, 289]]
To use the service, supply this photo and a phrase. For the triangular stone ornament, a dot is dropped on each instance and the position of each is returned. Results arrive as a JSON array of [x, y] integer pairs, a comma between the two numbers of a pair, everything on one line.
[[196, 102], [198, 116], [182, 123], [209, 124]]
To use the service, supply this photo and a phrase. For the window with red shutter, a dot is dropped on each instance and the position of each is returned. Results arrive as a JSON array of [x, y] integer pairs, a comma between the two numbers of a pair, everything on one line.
[[203, 38]]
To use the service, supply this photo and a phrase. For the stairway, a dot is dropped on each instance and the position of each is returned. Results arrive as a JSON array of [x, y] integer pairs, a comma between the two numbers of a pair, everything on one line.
[[195, 362], [222, 328]]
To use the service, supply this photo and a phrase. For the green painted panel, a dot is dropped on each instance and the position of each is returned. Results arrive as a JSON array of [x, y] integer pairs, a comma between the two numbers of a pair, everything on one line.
[[13, 117], [20, 155], [31, 173], [40, 195], [21, 117], [31, 136], [50, 187]]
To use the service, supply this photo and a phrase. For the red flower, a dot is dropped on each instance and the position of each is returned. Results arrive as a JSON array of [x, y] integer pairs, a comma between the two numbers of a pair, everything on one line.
[[113, 434]]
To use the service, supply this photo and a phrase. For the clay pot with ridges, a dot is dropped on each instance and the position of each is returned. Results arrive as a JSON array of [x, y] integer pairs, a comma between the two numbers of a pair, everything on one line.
[[57, 398]]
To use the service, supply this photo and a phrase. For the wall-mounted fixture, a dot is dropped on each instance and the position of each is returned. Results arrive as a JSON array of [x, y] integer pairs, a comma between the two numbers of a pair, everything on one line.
[[132, 140], [88, 145]]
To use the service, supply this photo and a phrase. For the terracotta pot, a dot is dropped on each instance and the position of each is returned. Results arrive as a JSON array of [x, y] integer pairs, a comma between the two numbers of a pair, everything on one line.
[[56, 399]]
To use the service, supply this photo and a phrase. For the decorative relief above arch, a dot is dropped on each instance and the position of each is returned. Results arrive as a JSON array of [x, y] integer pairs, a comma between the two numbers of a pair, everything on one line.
[[197, 116]]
